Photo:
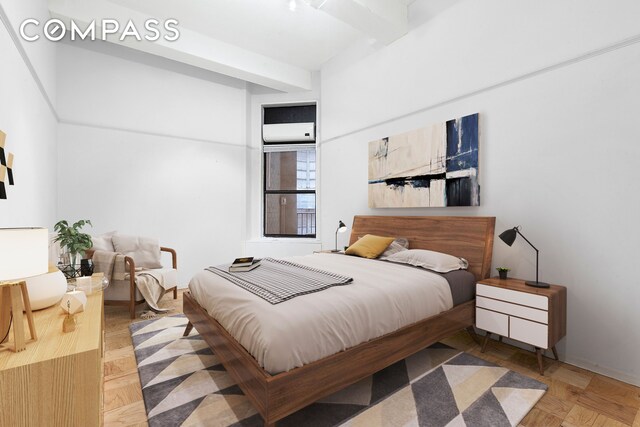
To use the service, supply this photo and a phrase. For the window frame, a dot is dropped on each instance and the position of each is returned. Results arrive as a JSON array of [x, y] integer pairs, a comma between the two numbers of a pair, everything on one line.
[[282, 147]]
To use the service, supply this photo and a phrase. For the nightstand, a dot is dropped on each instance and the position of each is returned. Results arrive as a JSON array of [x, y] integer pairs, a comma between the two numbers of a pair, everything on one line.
[[509, 308]]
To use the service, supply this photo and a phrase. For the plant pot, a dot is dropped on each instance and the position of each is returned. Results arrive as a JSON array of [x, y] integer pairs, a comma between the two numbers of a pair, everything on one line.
[[503, 275]]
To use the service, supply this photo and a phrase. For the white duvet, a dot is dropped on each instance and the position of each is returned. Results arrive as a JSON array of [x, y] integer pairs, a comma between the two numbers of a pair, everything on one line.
[[382, 298]]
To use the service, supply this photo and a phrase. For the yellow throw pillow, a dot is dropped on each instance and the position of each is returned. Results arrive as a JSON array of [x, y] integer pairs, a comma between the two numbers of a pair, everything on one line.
[[369, 246]]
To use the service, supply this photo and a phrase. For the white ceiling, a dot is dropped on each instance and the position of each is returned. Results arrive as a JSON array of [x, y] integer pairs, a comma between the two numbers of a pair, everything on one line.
[[305, 37], [260, 41]]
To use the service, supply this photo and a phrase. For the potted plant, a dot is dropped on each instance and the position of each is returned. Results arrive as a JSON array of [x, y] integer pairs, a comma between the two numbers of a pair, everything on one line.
[[71, 238], [502, 272]]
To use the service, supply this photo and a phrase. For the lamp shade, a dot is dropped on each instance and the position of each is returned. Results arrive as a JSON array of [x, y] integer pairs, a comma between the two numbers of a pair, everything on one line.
[[24, 252], [341, 227], [509, 236]]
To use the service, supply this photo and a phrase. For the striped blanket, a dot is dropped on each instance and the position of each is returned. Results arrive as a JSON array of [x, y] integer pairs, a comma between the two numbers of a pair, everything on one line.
[[277, 280]]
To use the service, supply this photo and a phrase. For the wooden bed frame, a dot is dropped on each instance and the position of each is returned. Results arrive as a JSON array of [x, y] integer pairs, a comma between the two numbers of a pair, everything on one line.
[[276, 396]]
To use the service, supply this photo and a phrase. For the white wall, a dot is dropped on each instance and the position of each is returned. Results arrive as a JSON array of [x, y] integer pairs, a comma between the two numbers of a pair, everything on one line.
[[558, 148], [150, 150], [470, 46], [28, 121], [41, 53]]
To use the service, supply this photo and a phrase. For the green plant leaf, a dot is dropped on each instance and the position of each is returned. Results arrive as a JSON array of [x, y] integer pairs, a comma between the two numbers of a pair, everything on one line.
[[71, 237]]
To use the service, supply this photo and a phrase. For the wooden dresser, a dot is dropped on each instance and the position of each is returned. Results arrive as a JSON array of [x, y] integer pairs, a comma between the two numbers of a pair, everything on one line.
[[57, 380]]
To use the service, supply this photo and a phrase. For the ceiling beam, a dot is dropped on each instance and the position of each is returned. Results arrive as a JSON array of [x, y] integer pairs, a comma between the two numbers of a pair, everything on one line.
[[383, 20], [191, 48]]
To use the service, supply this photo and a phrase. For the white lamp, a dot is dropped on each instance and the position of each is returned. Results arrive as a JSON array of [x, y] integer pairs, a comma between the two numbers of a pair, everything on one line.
[[46, 289], [23, 253]]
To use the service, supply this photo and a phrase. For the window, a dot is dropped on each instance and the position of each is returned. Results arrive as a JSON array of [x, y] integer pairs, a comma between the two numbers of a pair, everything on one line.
[[289, 178], [290, 190]]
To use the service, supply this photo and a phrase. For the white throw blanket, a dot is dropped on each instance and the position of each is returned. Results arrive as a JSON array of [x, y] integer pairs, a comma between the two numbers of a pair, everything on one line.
[[109, 263], [151, 285]]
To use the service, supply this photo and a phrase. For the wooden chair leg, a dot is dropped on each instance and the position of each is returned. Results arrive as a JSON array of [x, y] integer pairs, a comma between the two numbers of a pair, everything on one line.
[[175, 292], [132, 294], [188, 329]]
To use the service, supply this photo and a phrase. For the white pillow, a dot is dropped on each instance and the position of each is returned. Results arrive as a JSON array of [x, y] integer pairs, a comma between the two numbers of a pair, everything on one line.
[[398, 245], [103, 242], [145, 251], [431, 260]]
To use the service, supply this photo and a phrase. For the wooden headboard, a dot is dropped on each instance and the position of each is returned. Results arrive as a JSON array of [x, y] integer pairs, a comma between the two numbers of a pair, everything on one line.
[[469, 237]]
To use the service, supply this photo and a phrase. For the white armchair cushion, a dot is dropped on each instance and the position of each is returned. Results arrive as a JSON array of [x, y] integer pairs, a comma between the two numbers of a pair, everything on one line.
[[145, 251], [118, 290]]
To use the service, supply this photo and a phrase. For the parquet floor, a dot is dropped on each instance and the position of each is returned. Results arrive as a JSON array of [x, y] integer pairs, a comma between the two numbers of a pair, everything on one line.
[[576, 397]]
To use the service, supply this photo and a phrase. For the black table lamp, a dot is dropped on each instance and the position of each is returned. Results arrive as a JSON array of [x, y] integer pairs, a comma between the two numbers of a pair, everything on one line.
[[509, 236], [341, 229]]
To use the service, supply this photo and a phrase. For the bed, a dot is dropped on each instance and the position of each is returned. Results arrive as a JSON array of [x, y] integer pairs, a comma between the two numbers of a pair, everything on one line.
[[276, 395]]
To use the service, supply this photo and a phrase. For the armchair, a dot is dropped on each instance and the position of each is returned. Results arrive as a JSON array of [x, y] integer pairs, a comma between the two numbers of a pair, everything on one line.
[[125, 292]]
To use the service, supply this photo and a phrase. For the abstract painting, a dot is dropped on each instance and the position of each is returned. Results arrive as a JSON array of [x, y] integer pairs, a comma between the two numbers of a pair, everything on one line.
[[434, 166], [3, 190], [6, 168]]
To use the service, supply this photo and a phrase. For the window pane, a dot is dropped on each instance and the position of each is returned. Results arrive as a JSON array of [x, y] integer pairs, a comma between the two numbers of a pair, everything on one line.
[[290, 214], [291, 170]]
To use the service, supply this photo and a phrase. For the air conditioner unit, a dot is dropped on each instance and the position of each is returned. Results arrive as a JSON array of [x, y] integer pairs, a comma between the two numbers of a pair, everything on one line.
[[289, 132]]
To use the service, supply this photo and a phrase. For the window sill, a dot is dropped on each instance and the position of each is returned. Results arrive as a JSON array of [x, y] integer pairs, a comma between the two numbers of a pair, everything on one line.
[[301, 240]]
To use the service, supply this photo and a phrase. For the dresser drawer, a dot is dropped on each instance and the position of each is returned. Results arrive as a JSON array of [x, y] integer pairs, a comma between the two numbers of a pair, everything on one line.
[[513, 309], [491, 321], [522, 298], [529, 332]]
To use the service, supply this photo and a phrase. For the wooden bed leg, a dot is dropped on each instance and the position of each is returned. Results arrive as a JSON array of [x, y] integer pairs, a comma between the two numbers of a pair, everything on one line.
[[473, 335], [175, 292], [188, 329]]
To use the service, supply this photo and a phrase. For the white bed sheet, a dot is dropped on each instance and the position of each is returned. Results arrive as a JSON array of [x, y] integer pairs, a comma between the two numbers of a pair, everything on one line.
[[382, 298]]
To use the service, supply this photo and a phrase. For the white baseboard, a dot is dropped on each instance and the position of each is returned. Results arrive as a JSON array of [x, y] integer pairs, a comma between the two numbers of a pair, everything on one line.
[[584, 364], [603, 370]]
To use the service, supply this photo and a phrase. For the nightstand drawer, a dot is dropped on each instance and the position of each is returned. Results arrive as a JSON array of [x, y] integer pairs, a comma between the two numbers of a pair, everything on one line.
[[513, 309], [529, 332], [493, 322], [522, 298]]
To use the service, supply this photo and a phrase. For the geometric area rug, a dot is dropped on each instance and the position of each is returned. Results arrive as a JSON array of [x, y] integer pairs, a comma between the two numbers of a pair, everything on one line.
[[184, 384]]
